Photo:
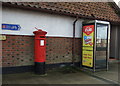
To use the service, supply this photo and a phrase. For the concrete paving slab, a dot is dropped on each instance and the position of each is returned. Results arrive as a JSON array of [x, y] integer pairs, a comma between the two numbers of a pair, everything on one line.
[[57, 77], [111, 75], [52, 78]]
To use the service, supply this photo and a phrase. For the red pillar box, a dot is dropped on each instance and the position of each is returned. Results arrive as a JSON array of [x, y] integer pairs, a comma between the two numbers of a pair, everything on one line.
[[40, 51]]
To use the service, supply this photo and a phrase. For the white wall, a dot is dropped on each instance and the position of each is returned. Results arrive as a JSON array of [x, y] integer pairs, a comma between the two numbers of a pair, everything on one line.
[[0, 16], [55, 25]]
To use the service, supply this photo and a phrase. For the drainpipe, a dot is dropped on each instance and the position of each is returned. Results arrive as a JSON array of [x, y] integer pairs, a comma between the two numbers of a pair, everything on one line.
[[73, 42]]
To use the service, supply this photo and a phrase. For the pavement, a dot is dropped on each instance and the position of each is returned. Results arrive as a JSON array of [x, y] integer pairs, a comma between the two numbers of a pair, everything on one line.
[[111, 75], [59, 76]]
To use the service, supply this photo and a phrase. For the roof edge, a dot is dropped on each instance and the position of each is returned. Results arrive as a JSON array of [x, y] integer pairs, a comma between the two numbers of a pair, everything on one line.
[[115, 6], [56, 12]]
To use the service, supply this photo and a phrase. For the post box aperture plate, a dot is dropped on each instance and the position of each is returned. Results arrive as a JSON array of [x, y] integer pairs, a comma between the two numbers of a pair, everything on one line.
[[42, 43]]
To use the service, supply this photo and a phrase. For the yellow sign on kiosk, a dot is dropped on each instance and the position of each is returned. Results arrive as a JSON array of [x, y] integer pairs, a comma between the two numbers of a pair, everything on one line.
[[87, 58], [87, 49]]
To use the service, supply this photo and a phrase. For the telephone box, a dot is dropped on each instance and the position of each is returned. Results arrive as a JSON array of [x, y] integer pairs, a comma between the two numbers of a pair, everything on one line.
[[40, 51], [95, 44]]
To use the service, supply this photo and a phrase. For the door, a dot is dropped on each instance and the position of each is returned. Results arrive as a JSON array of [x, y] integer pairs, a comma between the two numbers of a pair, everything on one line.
[[101, 46]]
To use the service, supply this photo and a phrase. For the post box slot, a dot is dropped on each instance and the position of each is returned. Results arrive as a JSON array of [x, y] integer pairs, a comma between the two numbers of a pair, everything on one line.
[[42, 36]]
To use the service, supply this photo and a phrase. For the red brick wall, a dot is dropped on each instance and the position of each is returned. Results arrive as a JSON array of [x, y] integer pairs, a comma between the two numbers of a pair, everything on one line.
[[60, 50], [19, 50], [0, 53]]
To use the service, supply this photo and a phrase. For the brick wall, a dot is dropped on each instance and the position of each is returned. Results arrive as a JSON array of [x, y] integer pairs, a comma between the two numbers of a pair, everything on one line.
[[60, 50], [19, 50], [0, 53]]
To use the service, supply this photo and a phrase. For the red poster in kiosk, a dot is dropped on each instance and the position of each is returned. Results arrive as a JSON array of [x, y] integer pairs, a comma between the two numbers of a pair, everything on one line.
[[87, 49], [88, 33]]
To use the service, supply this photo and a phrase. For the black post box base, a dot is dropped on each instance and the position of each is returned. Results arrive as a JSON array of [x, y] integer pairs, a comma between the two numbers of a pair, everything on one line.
[[40, 68]]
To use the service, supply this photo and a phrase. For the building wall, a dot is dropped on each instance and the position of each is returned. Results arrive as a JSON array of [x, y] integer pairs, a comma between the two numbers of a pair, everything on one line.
[[55, 25], [118, 42], [17, 51], [18, 48], [0, 33], [114, 42]]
